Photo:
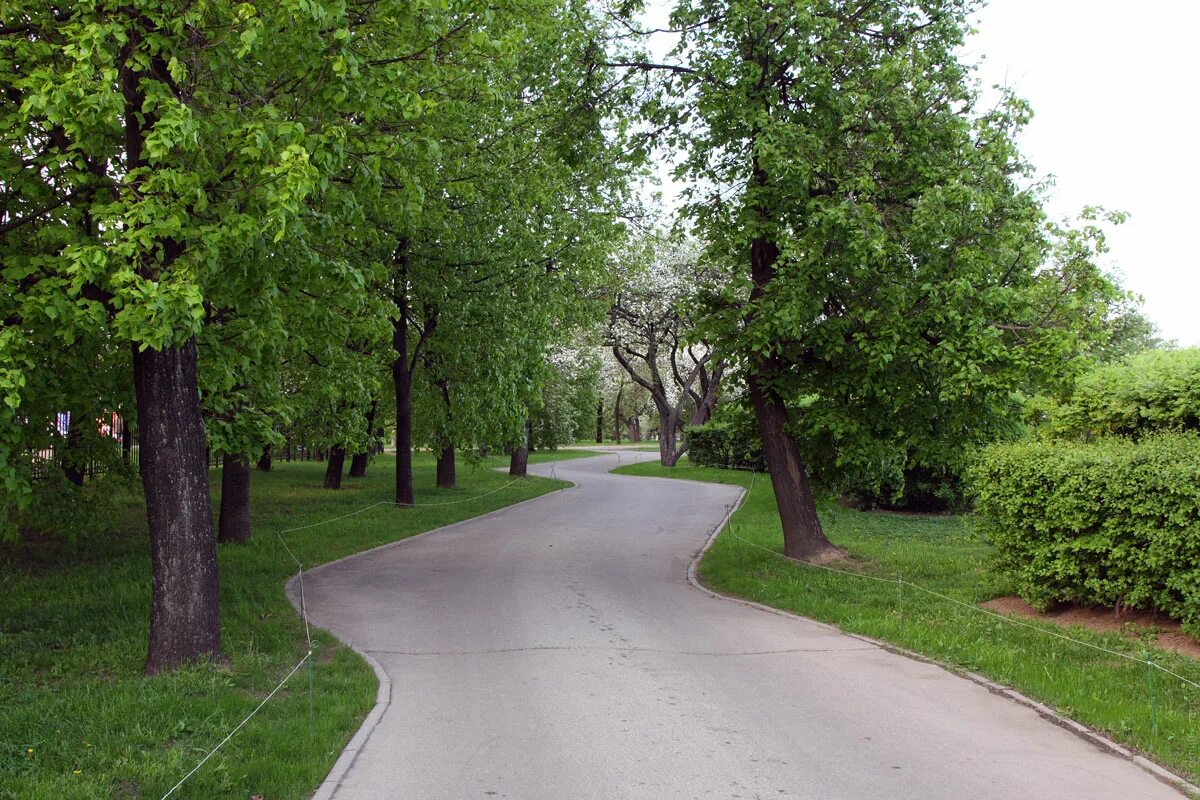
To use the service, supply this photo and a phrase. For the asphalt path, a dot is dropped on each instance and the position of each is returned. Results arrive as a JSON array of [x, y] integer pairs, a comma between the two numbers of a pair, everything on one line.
[[557, 650]]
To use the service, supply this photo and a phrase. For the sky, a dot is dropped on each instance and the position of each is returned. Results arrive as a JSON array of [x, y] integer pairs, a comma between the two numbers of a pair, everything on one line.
[[1113, 87]]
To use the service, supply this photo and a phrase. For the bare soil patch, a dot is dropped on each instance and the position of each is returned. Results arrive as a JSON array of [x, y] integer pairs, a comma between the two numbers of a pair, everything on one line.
[[1162, 632]]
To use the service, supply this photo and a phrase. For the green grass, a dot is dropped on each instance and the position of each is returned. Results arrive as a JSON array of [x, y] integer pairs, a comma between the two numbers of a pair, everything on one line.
[[944, 554], [77, 718]]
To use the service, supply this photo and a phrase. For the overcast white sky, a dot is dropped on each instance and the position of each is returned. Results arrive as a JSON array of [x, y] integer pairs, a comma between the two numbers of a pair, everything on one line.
[[1114, 88]]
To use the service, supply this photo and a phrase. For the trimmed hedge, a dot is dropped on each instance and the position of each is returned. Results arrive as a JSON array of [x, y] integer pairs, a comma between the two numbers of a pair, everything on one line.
[[1157, 390], [725, 446], [1113, 522]]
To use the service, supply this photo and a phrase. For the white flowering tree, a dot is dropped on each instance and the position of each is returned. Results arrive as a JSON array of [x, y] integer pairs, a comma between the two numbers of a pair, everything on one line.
[[650, 331]]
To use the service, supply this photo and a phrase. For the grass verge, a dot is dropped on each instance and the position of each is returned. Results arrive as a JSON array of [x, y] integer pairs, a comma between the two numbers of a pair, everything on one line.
[[80, 721], [1153, 713]]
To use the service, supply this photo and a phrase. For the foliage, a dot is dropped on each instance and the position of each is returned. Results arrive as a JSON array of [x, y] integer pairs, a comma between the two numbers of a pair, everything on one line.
[[731, 442], [1153, 390], [567, 411], [1112, 522], [898, 282]]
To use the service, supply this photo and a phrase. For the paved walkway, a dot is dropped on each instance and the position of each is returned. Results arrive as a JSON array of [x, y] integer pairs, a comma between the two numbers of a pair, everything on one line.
[[556, 651]]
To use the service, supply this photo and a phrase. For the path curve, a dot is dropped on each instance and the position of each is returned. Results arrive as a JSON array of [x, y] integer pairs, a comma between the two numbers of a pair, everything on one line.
[[555, 650]]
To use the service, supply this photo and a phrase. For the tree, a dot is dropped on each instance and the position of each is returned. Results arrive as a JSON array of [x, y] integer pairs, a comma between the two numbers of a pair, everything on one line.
[[651, 326], [157, 147], [897, 276]]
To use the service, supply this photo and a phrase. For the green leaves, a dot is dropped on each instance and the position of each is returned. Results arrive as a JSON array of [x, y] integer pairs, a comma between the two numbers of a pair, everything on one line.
[[1111, 522]]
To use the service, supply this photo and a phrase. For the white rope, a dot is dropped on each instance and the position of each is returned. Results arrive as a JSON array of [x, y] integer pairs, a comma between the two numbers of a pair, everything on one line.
[[972, 606], [304, 612], [238, 728]]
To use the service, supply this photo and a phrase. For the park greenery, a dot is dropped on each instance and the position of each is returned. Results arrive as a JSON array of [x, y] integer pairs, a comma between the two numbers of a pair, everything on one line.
[[235, 234]]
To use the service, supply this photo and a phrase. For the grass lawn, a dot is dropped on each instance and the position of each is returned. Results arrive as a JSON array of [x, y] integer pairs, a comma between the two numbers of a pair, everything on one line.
[[78, 719], [1103, 691]]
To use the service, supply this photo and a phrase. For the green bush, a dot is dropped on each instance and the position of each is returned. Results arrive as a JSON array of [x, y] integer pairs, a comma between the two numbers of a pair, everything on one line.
[[1114, 522], [918, 488], [1151, 391], [724, 445]]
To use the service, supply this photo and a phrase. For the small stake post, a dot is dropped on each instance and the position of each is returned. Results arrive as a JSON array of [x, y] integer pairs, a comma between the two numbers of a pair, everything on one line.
[[312, 713], [1150, 686]]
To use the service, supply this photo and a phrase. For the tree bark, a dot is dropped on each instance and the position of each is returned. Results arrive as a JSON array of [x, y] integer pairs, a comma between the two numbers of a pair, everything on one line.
[[617, 415], [803, 538], [518, 465], [446, 478], [73, 458], [233, 524], [402, 382], [669, 452], [358, 464], [600, 422], [333, 470], [184, 608], [264, 461]]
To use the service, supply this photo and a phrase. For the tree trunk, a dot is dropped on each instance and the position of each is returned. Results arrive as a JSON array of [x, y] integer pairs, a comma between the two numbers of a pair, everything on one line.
[[126, 440], [617, 416], [402, 382], [518, 465], [233, 524], [184, 609], [803, 538], [264, 461], [333, 471], [73, 457], [668, 439], [600, 422], [358, 464], [446, 478]]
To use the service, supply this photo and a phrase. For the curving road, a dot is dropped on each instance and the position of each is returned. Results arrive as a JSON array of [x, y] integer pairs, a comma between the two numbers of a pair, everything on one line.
[[555, 650]]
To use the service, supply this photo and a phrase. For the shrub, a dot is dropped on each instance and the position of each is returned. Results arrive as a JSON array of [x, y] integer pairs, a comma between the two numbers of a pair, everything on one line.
[[933, 490], [1151, 391], [1114, 522], [724, 445]]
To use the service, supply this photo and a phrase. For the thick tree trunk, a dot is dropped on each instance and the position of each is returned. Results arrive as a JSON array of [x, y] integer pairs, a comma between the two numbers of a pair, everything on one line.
[[233, 524], [518, 465], [446, 478], [669, 451], [333, 471], [74, 461], [802, 535], [264, 461], [600, 422], [184, 609], [402, 382]]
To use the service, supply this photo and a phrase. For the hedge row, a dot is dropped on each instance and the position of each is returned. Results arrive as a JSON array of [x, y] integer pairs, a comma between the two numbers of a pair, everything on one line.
[[726, 446], [1112, 522]]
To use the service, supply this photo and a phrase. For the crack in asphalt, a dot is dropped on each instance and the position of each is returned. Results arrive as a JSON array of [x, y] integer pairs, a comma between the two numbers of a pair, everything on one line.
[[594, 648]]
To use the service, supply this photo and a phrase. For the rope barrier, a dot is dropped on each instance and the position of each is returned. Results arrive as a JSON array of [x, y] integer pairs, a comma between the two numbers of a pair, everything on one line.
[[229, 736], [1151, 664], [278, 537]]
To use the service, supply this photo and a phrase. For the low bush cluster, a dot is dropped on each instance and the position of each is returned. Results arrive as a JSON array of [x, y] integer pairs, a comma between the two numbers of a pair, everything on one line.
[[1147, 392], [1113, 521], [725, 445]]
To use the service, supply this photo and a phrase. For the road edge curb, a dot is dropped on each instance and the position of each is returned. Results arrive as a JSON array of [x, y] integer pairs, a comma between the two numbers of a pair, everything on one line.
[[1096, 739], [383, 694]]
